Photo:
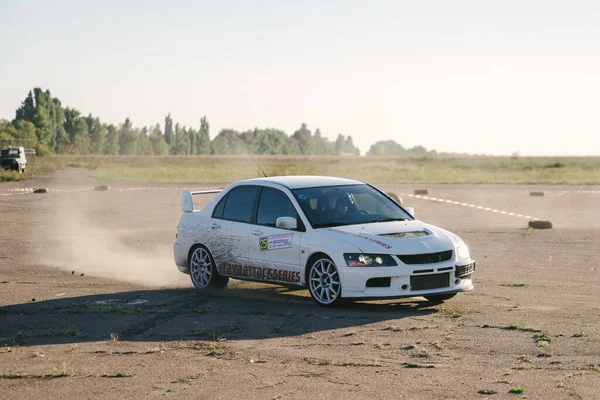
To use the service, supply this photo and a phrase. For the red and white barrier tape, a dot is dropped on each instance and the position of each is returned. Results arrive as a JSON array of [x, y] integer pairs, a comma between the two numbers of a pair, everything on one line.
[[459, 203]]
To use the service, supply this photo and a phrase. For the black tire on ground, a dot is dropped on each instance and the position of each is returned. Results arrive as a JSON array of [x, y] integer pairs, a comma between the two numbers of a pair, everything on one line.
[[395, 197], [323, 281], [421, 191], [41, 190], [536, 194], [101, 188], [540, 224], [438, 298], [203, 270]]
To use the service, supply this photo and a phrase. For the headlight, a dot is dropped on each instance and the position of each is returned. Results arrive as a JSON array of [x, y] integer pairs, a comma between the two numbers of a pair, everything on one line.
[[462, 252], [369, 260]]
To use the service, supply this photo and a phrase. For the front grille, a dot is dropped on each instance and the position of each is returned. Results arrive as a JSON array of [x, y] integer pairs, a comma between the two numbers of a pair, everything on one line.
[[379, 282], [424, 282], [430, 258], [464, 270]]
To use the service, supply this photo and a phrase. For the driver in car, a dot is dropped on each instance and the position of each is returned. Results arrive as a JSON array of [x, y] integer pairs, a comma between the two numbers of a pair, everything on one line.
[[345, 209]]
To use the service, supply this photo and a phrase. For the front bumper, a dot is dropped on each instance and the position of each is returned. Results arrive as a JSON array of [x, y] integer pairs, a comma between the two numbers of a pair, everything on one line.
[[399, 282]]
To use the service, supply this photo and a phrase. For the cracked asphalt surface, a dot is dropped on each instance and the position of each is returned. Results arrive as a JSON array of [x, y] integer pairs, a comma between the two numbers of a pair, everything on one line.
[[92, 306]]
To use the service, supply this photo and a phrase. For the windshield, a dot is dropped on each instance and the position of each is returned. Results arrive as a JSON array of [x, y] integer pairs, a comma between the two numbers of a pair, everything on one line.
[[9, 153], [347, 205]]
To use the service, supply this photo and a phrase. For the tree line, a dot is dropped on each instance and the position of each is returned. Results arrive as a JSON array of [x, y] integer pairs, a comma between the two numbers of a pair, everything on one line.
[[41, 122]]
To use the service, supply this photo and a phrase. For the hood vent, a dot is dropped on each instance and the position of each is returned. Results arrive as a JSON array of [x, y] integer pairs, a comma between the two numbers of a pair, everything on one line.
[[429, 258], [405, 235]]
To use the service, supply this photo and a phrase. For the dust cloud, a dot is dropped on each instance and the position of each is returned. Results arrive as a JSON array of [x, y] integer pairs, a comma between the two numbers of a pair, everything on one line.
[[109, 235]]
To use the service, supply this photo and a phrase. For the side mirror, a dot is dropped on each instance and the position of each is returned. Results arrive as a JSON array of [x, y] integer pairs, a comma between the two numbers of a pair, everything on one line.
[[286, 223], [410, 210]]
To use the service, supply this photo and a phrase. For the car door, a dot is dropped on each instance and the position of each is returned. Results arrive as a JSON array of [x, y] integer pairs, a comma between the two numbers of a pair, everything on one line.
[[275, 251], [228, 230]]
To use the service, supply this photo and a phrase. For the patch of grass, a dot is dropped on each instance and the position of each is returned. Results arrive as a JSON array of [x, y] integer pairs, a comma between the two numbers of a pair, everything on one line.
[[578, 334], [321, 362], [210, 349], [420, 354], [53, 375], [456, 315], [279, 328], [114, 337], [591, 367], [415, 365], [10, 176], [511, 328], [542, 337], [514, 284], [382, 346], [116, 375], [517, 390], [438, 169]]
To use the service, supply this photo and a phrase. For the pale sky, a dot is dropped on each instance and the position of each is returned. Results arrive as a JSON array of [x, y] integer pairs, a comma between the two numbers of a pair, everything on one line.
[[481, 77]]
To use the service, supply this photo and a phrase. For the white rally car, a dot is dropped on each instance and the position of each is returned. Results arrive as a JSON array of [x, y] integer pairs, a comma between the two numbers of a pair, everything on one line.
[[341, 238]]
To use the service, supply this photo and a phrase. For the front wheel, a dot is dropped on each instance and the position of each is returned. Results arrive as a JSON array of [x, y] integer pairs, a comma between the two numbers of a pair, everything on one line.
[[438, 298], [203, 270], [324, 283]]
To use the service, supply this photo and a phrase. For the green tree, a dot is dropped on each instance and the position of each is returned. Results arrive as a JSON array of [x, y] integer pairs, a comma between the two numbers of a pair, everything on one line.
[[143, 144], [82, 144], [182, 141], [387, 148], [111, 144], [304, 138], [61, 141], [97, 133], [159, 146], [202, 142], [127, 138], [228, 141], [169, 134]]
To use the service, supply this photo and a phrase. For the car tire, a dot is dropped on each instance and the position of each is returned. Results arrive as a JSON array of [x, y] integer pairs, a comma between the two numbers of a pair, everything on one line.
[[203, 270], [324, 282], [439, 298]]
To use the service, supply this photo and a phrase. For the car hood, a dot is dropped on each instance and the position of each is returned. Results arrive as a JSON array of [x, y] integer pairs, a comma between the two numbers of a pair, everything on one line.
[[397, 237]]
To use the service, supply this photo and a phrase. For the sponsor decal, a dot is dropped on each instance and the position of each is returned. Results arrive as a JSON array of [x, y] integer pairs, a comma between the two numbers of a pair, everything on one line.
[[358, 235], [276, 242], [269, 274], [302, 197]]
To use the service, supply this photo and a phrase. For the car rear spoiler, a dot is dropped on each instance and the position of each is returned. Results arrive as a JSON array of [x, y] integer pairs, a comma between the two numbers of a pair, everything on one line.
[[187, 203]]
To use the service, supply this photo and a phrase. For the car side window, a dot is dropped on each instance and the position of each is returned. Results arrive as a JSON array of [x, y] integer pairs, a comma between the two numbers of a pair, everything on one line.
[[239, 205], [272, 205], [218, 211]]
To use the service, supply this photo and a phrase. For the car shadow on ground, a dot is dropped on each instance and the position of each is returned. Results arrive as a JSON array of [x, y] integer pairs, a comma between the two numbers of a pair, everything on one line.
[[184, 314]]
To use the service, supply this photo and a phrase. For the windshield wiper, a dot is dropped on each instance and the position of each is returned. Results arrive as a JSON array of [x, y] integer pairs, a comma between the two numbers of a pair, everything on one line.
[[329, 225], [388, 219]]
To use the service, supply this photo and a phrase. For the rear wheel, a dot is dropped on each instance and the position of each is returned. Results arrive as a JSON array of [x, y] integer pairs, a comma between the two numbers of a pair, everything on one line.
[[203, 270], [324, 282], [438, 298]]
